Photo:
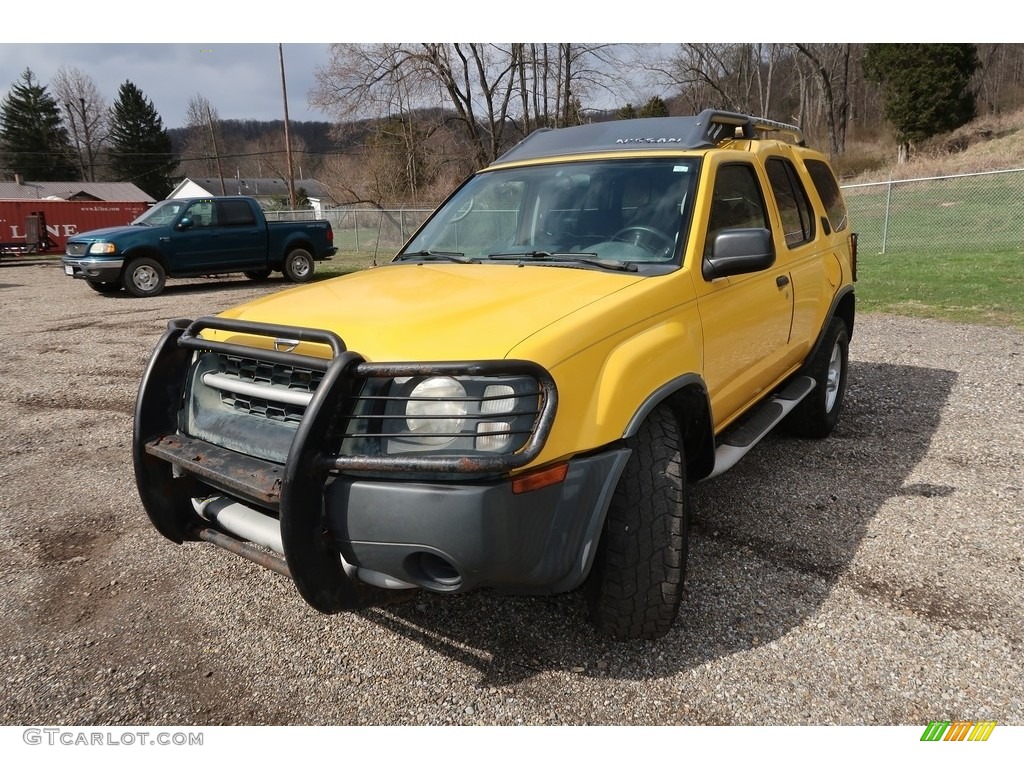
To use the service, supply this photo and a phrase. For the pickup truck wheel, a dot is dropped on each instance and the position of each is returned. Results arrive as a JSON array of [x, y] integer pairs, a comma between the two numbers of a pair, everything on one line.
[[257, 274], [101, 287], [636, 583], [818, 413], [298, 266], [143, 277]]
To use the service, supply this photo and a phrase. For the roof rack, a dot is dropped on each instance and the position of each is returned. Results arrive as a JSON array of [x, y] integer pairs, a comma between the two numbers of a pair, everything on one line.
[[750, 126], [704, 131]]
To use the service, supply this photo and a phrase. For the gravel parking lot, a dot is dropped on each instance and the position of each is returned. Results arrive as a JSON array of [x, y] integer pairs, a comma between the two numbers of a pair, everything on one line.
[[871, 578]]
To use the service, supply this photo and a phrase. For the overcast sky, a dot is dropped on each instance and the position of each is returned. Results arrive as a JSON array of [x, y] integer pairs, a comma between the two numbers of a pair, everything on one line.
[[241, 80], [237, 68]]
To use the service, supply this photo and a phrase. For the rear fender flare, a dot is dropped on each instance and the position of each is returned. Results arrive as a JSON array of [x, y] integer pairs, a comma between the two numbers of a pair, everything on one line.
[[844, 307]]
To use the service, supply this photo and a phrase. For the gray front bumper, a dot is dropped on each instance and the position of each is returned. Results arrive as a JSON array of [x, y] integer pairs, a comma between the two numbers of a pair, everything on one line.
[[450, 537], [90, 268]]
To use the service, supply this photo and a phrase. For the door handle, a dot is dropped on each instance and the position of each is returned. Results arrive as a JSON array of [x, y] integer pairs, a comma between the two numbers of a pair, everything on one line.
[[782, 281]]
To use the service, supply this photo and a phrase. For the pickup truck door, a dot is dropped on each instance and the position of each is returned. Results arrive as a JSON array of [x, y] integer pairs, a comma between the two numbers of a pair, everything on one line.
[[242, 234], [197, 247], [225, 235], [746, 318]]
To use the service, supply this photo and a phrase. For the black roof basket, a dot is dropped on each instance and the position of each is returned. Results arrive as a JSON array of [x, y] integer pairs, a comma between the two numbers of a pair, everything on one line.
[[703, 131]]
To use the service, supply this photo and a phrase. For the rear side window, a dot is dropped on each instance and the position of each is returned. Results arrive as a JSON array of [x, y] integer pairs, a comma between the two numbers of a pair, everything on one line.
[[236, 213], [791, 197], [828, 190]]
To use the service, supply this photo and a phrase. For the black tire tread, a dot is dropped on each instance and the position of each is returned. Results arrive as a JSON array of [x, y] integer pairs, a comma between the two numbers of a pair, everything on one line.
[[129, 284], [809, 419], [636, 584], [288, 270]]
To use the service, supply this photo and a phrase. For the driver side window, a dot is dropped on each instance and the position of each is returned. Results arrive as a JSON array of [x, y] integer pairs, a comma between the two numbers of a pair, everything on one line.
[[736, 202], [202, 214]]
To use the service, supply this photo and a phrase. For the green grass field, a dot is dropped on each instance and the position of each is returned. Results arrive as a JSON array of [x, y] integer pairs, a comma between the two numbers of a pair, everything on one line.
[[984, 287], [344, 262]]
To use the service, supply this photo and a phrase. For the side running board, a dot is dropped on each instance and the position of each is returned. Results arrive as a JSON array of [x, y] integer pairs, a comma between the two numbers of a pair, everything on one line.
[[744, 435]]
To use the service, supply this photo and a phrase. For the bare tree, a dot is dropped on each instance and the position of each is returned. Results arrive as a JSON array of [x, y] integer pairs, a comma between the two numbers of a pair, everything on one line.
[[732, 76], [491, 93], [999, 81], [202, 155], [830, 65], [86, 113]]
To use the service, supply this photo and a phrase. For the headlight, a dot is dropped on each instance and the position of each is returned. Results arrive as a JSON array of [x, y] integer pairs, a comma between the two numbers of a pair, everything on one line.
[[471, 414], [102, 248], [436, 411]]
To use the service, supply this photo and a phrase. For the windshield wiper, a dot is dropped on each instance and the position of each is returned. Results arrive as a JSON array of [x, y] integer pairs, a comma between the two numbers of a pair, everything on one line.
[[576, 257], [455, 256]]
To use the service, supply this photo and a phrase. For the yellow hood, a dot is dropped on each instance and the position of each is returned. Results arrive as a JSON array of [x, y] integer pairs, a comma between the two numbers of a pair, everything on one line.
[[437, 312]]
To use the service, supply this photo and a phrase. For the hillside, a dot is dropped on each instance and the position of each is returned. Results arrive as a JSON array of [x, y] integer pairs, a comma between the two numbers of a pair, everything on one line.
[[990, 143]]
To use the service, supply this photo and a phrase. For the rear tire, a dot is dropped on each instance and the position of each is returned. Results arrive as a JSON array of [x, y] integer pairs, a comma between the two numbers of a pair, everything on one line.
[[818, 413], [143, 277], [636, 583], [298, 266]]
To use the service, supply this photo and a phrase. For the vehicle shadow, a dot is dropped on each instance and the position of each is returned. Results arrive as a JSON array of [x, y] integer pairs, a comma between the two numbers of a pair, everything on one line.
[[769, 540], [231, 283], [187, 286]]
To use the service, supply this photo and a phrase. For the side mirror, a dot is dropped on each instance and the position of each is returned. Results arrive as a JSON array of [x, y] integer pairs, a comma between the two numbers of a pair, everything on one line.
[[185, 223], [739, 252]]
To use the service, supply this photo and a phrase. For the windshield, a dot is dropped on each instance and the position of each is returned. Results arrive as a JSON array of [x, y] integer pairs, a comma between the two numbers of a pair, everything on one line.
[[161, 214], [611, 211]]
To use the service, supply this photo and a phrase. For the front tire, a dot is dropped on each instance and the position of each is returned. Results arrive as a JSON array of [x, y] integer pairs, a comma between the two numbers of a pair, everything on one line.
[[298, 266], [636, 583], [143, 277], [818, 413]]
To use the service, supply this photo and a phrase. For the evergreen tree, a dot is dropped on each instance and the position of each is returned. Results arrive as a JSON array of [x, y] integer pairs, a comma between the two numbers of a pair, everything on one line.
[[627, 112], [140, 148], [32, 136], [655, 107], [926, 87]]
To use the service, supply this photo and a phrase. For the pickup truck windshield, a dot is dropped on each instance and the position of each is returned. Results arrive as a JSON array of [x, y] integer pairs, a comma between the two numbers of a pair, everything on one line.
[[614, 210], [161, 214]]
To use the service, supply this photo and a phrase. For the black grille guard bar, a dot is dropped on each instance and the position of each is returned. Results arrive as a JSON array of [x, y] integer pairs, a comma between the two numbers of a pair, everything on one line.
[[162, 467], [190, 340], [358, 369]]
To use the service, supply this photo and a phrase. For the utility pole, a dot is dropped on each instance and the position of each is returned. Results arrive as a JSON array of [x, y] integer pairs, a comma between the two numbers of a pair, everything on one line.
[[216, 151], [287, 134], [88, 141], [78, 146]]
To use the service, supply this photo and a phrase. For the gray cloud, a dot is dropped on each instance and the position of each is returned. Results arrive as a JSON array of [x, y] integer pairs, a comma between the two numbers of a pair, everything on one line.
[[241, 80]]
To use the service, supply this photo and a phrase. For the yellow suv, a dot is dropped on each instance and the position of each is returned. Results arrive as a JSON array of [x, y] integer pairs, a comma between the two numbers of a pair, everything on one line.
[[606, 313]]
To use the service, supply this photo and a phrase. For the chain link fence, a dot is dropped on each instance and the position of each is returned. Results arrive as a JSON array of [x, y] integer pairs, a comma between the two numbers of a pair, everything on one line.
[[365, 230], [979, 211], [973, 210]]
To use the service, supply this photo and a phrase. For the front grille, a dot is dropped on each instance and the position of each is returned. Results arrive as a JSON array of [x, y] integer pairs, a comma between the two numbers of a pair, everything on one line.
[[248, 405], [76, 249], [267, 373], [275, 392]]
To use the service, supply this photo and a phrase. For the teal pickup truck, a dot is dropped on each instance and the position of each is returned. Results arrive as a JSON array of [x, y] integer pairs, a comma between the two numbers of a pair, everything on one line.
[[194, 237]]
